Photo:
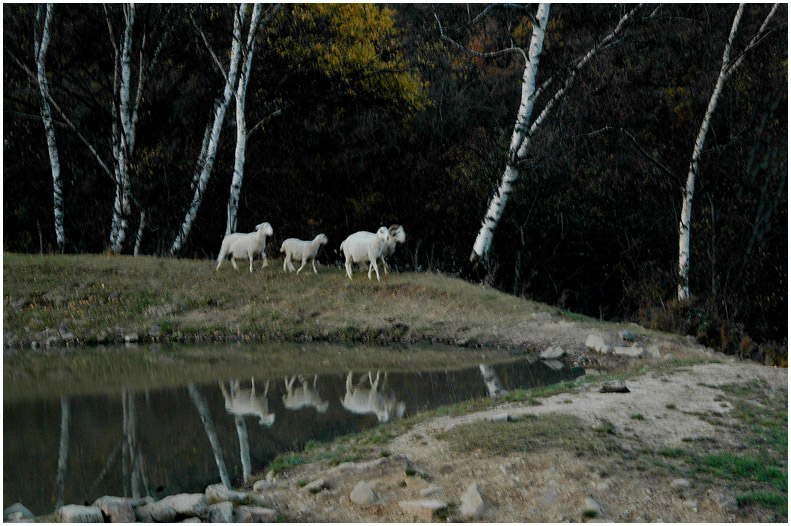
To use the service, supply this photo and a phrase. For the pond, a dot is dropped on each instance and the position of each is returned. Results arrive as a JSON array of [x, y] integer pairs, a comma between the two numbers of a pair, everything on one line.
[[157, 421]]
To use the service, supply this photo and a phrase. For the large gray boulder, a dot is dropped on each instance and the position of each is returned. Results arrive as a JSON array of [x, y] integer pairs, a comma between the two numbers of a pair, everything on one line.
[[16, 512], [254, 514], [188, 504], [362, 494], [221, 512], [596, 343], [75, 513], [219, 493], [632, 352], [552, 353], [155, 512], [116, 509], [423, 509]]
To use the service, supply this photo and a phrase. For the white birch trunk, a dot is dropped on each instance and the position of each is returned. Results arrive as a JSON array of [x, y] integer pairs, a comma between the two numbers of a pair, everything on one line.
[[139, 237], [241, 125], [123, 199], [685, 223], [208, 426], [220, 108], [244, 448], [689, 190], [63, 451], [494, 212], [41, 46]]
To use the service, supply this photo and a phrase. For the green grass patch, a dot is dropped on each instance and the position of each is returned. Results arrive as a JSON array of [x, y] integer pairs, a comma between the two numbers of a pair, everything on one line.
[[776, 502]]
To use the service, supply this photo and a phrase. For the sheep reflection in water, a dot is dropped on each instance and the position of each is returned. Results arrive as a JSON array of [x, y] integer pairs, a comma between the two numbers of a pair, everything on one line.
[[303, 396], [372, 400], [242, 402]]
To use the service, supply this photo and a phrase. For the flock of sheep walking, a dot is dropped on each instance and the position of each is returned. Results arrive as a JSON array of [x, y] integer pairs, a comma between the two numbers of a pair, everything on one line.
[[360, 247]]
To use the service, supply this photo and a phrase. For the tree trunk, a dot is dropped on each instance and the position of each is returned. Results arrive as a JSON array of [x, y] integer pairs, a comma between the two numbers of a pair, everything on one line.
[[139, 237], [41, 45], [63, 452], [244, 447], [726, 70], [494, 212], [220, 108], [208, 426], [241, 124]]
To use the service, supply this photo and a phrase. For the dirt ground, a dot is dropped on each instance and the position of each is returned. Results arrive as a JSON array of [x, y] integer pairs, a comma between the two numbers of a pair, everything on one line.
[[666, 409]]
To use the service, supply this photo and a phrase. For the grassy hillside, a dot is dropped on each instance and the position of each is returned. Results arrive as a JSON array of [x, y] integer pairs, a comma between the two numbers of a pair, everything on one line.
[[86, 299]]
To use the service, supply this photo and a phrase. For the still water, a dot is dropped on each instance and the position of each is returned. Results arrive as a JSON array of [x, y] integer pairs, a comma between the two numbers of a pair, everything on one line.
[[73, 447]]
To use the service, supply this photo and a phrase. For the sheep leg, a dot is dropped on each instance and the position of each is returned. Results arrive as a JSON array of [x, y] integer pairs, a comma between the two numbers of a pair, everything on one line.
[[375, 267], [286, 260], [233, 262], [304, 261], [251, 256], [266, 263], [349, 267], [314, 266], [220, 259]]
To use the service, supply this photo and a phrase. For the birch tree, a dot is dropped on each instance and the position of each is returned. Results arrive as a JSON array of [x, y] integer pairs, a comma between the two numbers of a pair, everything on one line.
[[524, 130], [41, 43], [208, 426], [726, 70], [241, 122], [208, 152]]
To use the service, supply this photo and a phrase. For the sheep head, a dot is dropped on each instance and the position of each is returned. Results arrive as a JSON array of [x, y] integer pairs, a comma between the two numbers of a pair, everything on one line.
[[382, 233], [264, 229], [322, 239], [397, 233]]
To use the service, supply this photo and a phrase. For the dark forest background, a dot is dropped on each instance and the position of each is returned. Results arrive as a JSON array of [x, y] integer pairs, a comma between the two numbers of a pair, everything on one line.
[[420, 137]]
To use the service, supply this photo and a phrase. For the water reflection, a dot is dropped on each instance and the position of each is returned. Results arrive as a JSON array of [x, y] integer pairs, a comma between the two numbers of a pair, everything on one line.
[[162, 441]]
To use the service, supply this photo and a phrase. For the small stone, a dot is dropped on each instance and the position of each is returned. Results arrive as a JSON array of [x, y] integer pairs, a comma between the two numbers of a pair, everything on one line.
[[116, 509], [16, 511], [221, 512], [652, 351], [423, 509], [154, 331], [552, 353], [219, 493], [362, 494], [131, 338], [254, 514], [502, 417], [431, 490], [270, 476], [592, 505], [680, 483], [314, 487], [691, 504], [668, 357], [548, 497], [75, 513], [66, 334], [472, 505], [191, 519], [603, 486], [634, 352], [626, 335]]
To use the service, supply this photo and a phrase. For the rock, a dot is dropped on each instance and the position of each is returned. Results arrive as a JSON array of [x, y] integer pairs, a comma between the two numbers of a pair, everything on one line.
[[219, 493], [472, 505], [191, 519], [131, 338], [592, 505], [691, 339], [680, 483], [221, 512], [154, 331], [431, 490], [552, 353], [188, 504], [667, 357], [16, 512], [254, 514], [75, 513], [726, 503], [634, 352], [502, 417], [603, 486], [555, 365], [423, 509], [626, 335], [362, 494], [270, 476], [691, 504], [155, 512], [142, 501], [541, 316], [21, 302], [652, 351], [261, 486], [596, 343], [116, 509], [592, 372], [548, 497], [66, 333], [314, 487]]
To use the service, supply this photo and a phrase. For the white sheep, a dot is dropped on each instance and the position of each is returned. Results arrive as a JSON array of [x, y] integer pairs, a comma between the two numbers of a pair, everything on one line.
[[304, 250], [396, 235], [245, 246], [362, 247]]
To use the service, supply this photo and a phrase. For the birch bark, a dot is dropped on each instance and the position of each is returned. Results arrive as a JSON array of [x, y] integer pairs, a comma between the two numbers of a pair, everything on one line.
[[494, 212], [726, 70], [241, 124], [220, 108], [41, 46]]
